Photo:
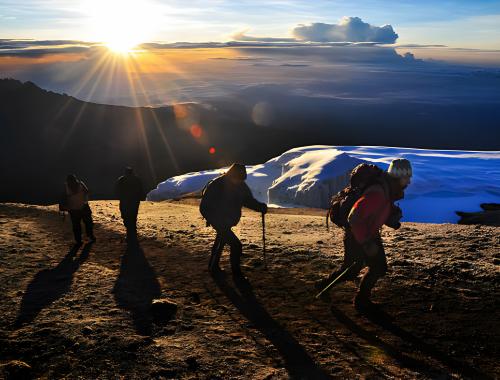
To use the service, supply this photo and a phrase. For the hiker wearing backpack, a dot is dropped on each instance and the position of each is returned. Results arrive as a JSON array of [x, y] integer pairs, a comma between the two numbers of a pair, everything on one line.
[[221, 205], [130, 192], [76, 202], [362, 209]]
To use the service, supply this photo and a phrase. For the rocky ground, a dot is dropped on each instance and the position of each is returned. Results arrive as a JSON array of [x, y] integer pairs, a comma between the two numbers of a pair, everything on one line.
[[87, 313]]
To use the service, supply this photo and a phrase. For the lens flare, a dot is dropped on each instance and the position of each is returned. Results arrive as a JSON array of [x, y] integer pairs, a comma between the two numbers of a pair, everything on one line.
[[196, 131]]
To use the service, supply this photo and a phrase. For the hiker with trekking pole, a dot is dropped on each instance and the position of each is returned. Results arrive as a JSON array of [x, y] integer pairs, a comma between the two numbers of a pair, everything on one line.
[[361, 209], [220, 205]]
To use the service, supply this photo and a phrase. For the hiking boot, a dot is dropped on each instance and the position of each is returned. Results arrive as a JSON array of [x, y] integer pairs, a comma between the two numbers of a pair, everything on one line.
[[215, 269], [363, 304]]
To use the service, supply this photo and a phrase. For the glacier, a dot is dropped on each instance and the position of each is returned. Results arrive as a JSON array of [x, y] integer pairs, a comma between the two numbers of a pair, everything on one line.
[[443, 181]]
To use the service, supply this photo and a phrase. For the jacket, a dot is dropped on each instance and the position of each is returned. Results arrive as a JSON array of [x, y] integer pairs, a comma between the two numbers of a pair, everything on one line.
[[370, 212], [222, 201], [129, 189], [76, 200]]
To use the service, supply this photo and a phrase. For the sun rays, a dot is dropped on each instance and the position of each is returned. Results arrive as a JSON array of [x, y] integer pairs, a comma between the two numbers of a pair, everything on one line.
[[111, 73], [121, 25]]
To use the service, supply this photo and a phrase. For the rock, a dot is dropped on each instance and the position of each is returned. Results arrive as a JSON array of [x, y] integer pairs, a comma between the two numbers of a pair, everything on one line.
[[87, 330], [195, 297], [490, 206], [489, 217], [163, 310], [192, 363], [16, 369]]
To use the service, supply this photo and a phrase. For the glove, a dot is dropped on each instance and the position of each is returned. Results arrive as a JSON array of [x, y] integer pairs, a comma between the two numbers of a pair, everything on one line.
[[394, 218]]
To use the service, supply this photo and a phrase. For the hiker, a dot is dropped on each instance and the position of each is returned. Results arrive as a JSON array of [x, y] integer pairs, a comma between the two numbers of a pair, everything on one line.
[[76, 202], [130, 192], [221, 205], [362, 241]]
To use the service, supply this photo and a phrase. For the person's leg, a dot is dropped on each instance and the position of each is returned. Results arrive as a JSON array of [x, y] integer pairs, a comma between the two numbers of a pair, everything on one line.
[[76, 217], [217, 248], [87, 220], [352, 255], [134, 210], [125, 214], [236, 251], [377, 268]]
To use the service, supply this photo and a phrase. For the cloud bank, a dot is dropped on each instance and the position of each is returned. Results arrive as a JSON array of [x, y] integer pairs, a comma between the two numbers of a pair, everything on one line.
[[351, 29]]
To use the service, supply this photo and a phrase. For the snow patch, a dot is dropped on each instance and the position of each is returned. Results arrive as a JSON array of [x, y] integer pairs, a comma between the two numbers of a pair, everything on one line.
[[444, 181]]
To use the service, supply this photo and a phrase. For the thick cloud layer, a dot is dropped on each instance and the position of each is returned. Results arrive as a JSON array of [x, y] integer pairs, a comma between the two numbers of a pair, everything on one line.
[[351, 29]]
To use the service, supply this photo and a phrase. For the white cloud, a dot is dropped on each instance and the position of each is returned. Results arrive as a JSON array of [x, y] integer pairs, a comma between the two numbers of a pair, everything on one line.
[[351, 29]]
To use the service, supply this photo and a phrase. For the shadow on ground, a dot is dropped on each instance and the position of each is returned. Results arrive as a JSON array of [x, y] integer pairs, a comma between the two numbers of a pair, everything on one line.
[[385, 321], [136, 287], [49, 285], [297, 361]]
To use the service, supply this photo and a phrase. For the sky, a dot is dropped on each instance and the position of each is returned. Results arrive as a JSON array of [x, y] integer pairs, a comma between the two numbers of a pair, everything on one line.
[[289, 62], [458, 24]]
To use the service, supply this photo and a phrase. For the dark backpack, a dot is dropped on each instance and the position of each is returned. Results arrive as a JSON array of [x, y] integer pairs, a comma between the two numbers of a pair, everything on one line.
[[362, 176]]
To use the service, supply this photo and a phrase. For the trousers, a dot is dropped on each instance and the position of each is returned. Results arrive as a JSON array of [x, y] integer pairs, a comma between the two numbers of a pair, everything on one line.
[[226, 236], [77, 216], [354, 253]]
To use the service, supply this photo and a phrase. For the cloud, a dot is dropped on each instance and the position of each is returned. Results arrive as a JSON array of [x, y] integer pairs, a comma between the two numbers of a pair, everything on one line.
[[35, 48], [351, 29], [243, 37]]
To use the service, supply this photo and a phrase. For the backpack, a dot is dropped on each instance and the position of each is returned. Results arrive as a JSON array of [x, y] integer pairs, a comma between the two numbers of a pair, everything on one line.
[[63, 202], [362, 176]]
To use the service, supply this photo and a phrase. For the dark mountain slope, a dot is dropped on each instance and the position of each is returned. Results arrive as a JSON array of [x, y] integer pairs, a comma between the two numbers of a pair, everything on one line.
[[44, 136]]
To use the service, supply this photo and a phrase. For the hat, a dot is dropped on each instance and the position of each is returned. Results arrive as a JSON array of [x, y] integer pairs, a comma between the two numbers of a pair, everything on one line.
[[399, 168], [237, 171]]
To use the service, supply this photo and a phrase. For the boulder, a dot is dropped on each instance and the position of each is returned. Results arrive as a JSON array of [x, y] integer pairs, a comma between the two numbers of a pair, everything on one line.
[[163, 310], [17, 369]]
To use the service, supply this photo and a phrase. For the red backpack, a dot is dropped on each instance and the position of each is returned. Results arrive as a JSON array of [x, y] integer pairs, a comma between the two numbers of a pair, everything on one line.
[[362, 176]]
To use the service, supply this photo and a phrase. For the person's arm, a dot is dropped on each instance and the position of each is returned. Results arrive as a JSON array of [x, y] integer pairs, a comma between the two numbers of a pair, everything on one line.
[[250, 202]]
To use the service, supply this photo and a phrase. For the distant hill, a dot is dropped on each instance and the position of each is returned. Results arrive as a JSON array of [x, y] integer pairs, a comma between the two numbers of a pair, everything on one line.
[[45, 135]]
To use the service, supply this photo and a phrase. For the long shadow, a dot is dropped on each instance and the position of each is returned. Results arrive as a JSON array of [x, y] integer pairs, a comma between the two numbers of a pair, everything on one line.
[[385, 321], [297, 361], [136, 287], [49, 285]]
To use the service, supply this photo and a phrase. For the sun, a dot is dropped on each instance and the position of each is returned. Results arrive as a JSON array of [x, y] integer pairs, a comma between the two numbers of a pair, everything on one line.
[[122, 24]]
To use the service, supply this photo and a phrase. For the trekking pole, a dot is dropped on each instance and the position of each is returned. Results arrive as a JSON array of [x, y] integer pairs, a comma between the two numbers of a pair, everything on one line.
[[264, 239], [335, 281]]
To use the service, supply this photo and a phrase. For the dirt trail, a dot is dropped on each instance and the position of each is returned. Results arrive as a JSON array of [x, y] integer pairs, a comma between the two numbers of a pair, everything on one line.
[[86, 313]]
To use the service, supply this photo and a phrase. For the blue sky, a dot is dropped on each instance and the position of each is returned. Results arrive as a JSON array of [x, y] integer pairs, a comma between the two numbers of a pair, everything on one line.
[[464, 24]]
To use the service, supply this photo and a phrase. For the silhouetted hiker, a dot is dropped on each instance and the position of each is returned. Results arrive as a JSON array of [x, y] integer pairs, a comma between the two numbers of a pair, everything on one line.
[[130, 192], [221, 205], [77, 204], [362, 240]]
